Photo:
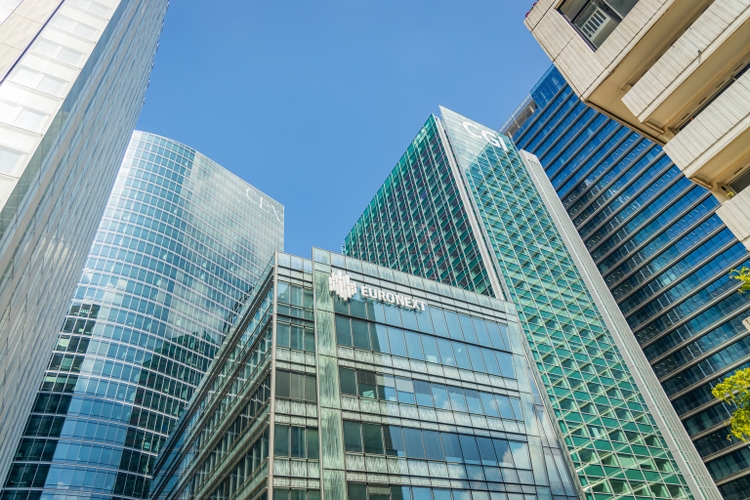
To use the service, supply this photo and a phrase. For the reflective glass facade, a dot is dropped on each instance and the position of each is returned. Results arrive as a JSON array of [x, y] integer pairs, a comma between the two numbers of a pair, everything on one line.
[[360, 398], [616, 434], [663, 252], [181, 245], [73, 77]]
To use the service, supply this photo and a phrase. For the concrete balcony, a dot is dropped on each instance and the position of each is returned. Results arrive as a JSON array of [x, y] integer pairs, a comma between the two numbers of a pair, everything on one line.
[[602, 76], [715, 146], [702, 60], [736, 215]]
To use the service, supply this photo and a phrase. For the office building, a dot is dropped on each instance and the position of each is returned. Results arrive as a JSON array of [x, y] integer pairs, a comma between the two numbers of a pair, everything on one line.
[[73, 76], [663, 252], [463, 205], [181, 245], [675, 71], [343, 379]]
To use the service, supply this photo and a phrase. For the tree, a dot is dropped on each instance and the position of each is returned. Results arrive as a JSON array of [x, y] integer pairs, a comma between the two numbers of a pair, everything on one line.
[[735, 390], [744, 276]]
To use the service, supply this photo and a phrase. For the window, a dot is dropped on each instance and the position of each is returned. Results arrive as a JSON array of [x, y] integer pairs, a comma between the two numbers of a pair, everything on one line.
[[294, 385], [295, 442], [596, 19]]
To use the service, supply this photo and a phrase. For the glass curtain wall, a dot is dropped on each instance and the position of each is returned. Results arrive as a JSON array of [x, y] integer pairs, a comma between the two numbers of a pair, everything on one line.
[[663, 253]]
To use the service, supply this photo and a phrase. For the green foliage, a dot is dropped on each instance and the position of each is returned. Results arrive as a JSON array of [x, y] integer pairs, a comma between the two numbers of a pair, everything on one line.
[[744, 276], [735, 390]]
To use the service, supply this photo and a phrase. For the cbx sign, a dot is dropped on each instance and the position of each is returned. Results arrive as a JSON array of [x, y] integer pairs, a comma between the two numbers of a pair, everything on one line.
[[343, 286]]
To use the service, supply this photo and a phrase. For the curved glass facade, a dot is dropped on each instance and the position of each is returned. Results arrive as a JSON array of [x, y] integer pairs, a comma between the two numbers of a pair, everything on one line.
[[661, 249], [181, 245]]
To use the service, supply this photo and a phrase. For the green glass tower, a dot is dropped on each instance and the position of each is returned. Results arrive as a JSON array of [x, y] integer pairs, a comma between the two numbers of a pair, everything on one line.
[[465, 207]]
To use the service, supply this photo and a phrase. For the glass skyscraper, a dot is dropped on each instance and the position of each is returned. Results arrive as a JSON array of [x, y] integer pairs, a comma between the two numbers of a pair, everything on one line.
[[464, 206], [346, 380], [73, 76], [663, 252], [180, 247]]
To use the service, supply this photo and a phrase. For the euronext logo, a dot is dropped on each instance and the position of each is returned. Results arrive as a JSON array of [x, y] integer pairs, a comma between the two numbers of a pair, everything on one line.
[[342, 285]]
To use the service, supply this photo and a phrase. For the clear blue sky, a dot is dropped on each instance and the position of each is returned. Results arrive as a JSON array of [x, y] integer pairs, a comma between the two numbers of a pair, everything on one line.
[[313, 102]]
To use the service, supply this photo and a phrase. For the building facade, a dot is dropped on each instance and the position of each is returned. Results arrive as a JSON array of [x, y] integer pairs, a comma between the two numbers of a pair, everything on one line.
[[346, 380], [73, 76], [181, 245], [663, 252], [674, 71], [464, 205]]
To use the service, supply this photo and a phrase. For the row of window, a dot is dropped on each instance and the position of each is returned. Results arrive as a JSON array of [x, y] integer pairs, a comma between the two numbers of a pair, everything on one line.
[[440, 322], [295, 442], [408, 442], [295, 385], [369, 384], [291, 494], [359, 491], [295, 336], [406, 343]]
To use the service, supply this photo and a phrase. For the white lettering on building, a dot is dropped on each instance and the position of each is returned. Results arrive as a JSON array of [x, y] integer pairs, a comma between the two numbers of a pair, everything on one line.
[[342, 285]]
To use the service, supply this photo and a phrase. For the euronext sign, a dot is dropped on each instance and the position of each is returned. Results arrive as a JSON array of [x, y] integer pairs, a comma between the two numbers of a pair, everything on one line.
[[342, 285]]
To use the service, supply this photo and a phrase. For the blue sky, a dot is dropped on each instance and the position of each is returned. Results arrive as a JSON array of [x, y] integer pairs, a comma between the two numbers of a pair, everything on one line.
[[313, 102]]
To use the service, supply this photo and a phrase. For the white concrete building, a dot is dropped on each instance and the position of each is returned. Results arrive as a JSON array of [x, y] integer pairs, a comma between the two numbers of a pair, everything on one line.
[[73, 77], [675, 71]]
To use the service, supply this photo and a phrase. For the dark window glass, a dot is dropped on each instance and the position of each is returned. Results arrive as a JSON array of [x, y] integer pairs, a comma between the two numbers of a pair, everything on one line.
[[282, 384], [413, 345], [488, 403], [312, 443], [487, 451], [343, 331], [469, 449], [438, 321], [502, 451], [347, 381], [361, 334], [413, 442], [352, 437], [396, 339], [468, 328], [394, 443], [372, 438], [462, 356], [357, 491], [282, 334], [446, 353], [505, 361], [423, 392], [311, 389], [472, 400], [281, 441], [380, 339], [495, 336], [431, 353], [454, 329], [366, 384], [440, 395], [432, 446], [505, 409], [297, 442], [451, 447], [458, 402]]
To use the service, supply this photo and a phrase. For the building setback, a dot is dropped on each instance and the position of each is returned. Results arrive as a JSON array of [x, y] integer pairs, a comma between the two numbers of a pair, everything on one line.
[[73, 76], [181, 245], [464, 206], [343, 379], [663, 252]]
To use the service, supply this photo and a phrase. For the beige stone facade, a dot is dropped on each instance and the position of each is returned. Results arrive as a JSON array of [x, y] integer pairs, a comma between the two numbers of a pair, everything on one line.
[[673, 70]]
